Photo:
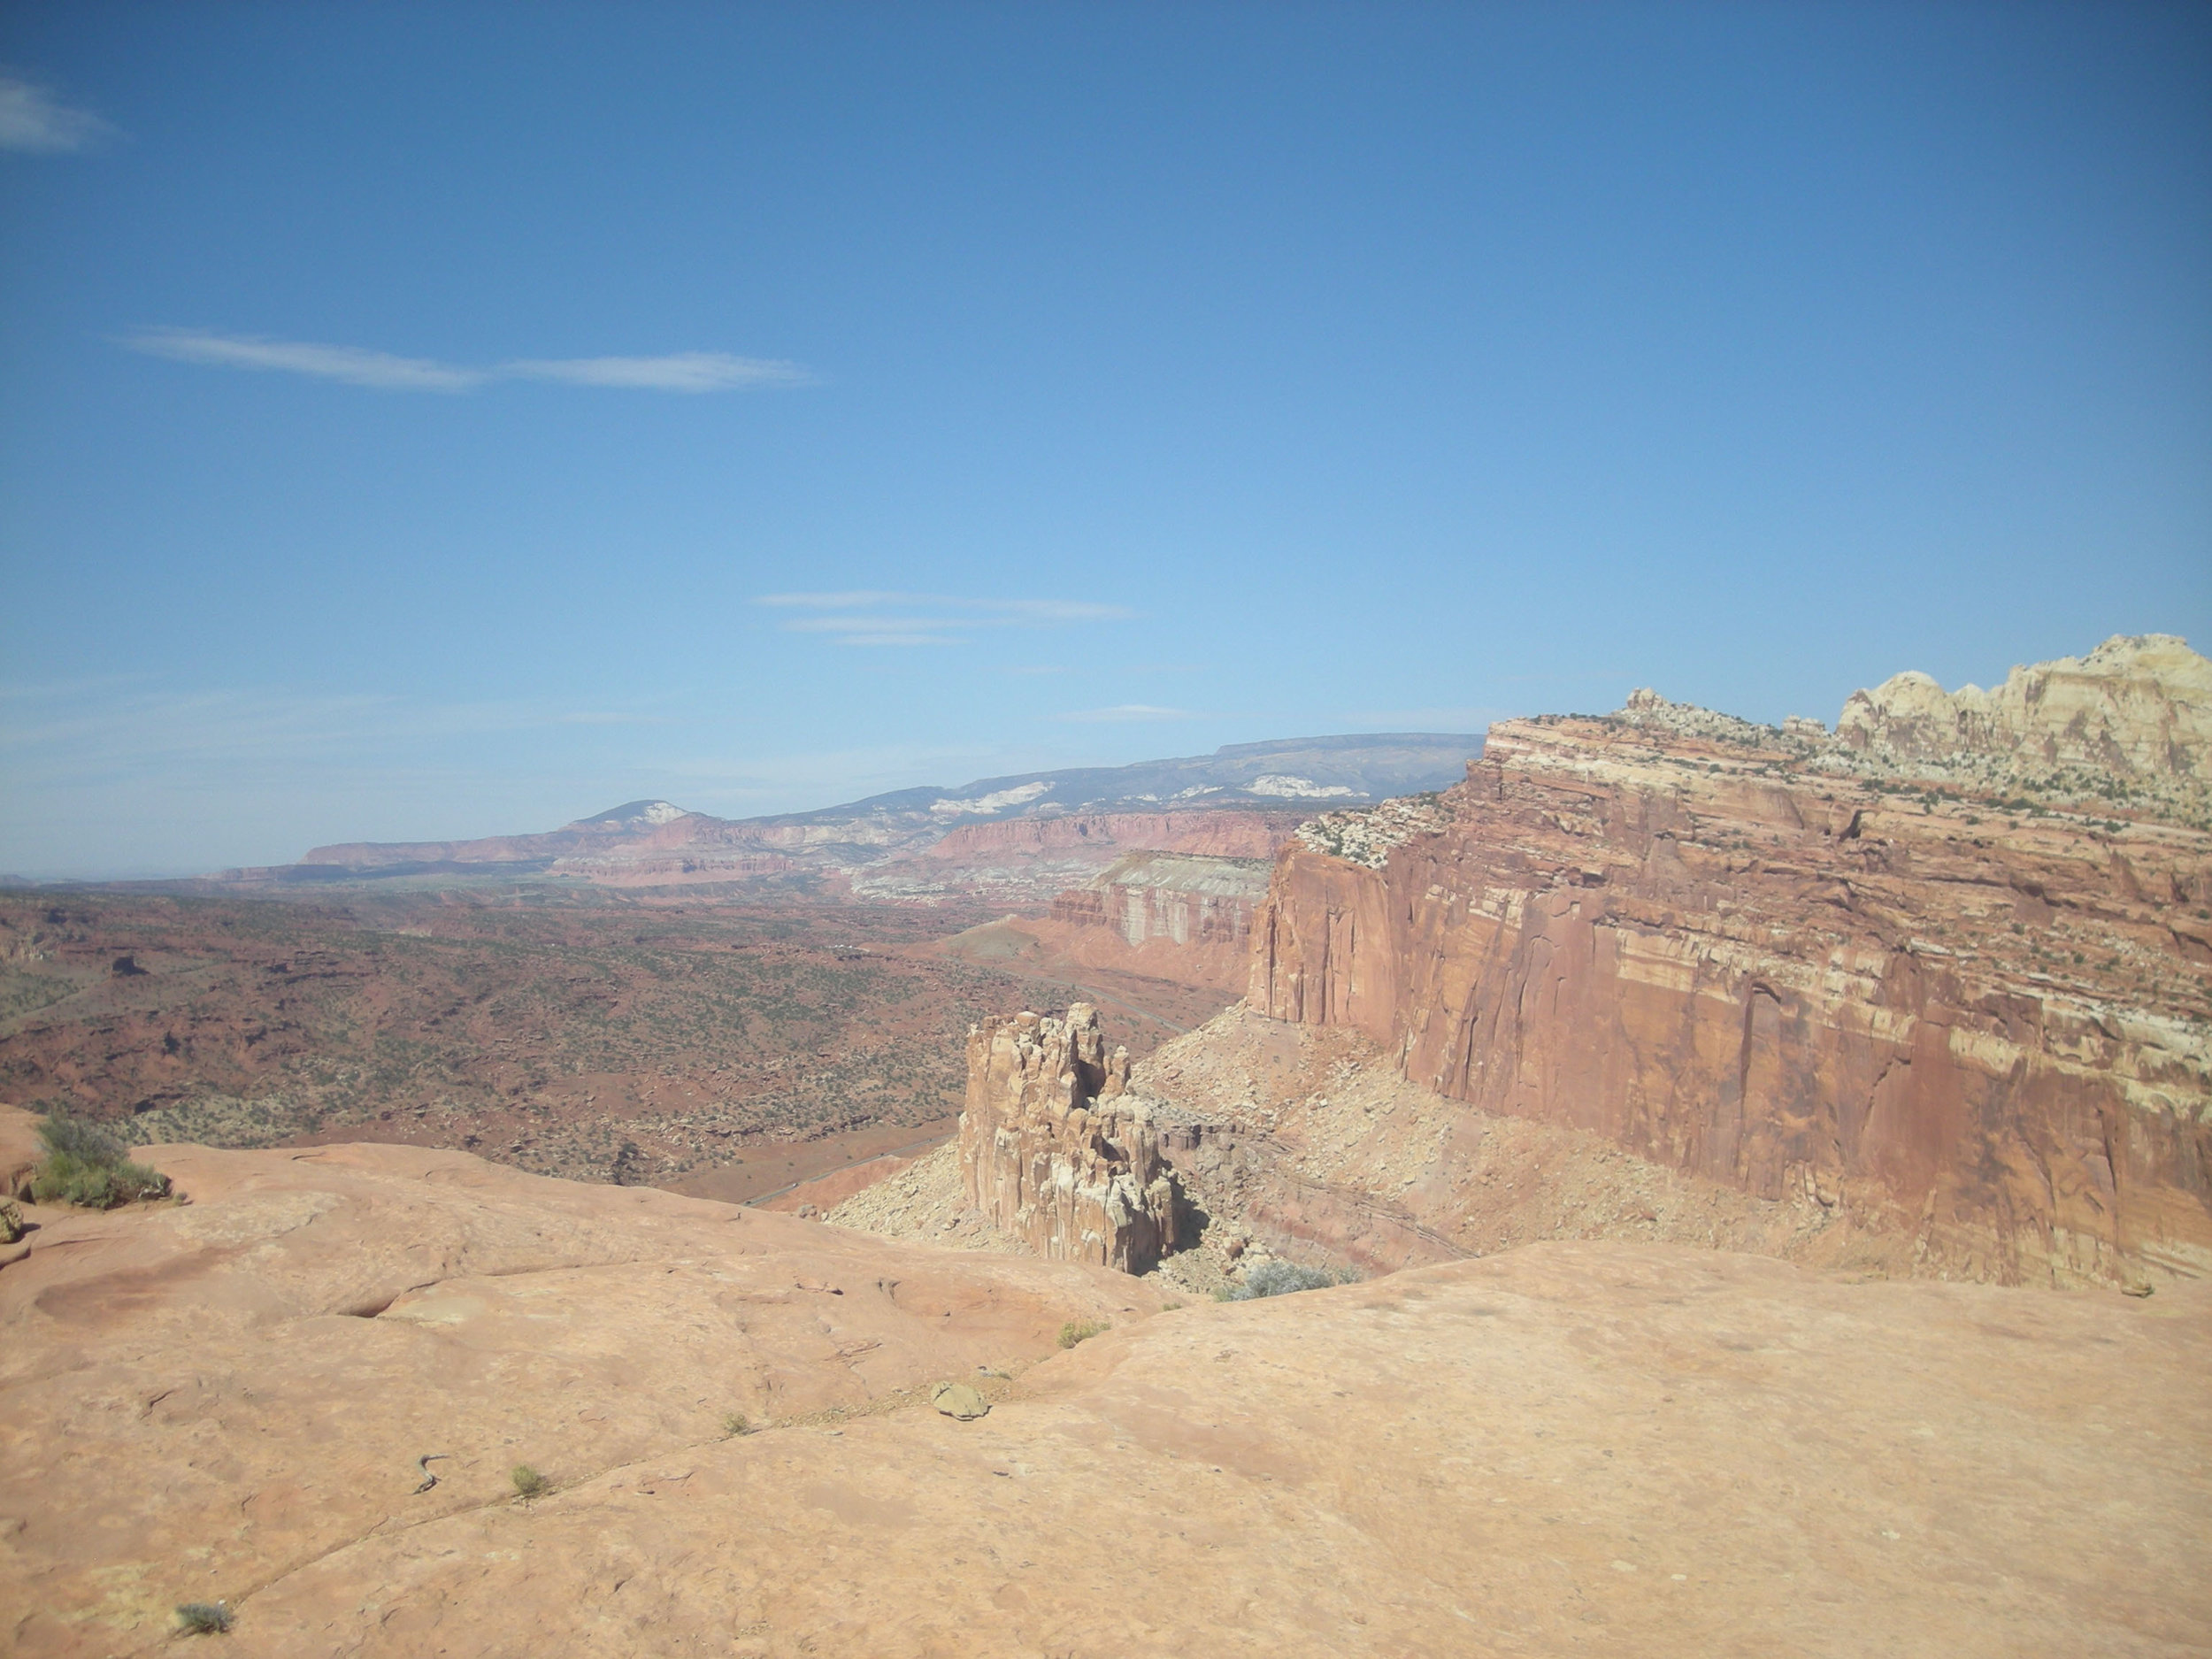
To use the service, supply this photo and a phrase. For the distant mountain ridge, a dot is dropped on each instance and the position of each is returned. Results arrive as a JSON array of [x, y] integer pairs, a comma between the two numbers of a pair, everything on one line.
[[1243, 799], [1369, 767]]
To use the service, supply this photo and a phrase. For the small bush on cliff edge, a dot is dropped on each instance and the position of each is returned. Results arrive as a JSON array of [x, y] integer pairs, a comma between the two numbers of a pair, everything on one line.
[[85, 1165], [528, 1482], [1280, 1278], [1081, 1331]]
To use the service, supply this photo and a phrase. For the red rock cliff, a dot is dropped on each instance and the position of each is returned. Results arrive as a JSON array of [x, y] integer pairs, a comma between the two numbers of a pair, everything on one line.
[[1175, 916], [1748, 955]]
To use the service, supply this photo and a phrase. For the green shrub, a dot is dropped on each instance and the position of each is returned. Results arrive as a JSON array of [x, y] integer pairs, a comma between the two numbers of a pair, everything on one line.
[[11, 1221], [204, 1618], [72, 1138], [1280, 1278], [735, 1425], [65, 1179], [1081, 1331], [528, 1482], [85, 1165]]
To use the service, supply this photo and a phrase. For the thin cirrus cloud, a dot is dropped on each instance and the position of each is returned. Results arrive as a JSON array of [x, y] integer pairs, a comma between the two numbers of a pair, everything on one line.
[[878, 619], [32, 120], [383, 370]]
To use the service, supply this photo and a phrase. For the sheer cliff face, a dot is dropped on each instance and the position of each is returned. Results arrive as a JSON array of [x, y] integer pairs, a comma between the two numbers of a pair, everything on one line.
[[1990, 1025], [1054, 1152], [1174, 916]]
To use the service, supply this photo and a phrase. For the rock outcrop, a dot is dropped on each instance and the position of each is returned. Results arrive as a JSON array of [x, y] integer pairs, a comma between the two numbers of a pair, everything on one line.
[[1052, 1152], [1182, 917], [1924, 991], [2134, 711]]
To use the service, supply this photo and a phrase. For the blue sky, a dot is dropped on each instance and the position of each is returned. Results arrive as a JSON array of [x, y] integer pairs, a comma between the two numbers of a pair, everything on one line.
[[444, 420]]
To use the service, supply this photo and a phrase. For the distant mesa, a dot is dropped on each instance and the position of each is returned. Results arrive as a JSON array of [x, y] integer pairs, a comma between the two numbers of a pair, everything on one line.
[[1022, 839], [632, 815]]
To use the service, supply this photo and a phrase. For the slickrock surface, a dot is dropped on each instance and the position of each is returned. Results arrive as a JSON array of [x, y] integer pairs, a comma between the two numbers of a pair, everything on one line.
[[202, 1398], [1051, 1153], [1984, 1022], [1563, 1449]]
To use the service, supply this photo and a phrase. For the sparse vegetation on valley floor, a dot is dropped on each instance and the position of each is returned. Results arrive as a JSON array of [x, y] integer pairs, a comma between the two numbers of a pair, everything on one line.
[[546, 1029]]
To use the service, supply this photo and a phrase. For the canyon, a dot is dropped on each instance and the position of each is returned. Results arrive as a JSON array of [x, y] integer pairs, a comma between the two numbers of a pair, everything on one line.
[[1639, 1090], [1180, 917], [1949, 971], [1929, 996]]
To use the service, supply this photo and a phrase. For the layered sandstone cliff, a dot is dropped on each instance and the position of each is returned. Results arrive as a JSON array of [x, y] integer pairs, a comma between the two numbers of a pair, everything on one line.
[[2135, 715], [1052, 1150], [1921, 990], [1181, 917]]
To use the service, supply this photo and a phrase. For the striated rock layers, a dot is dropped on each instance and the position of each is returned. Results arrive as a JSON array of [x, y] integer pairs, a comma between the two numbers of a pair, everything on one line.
[[1214, 834], [1054, 1153], [1180, 916], [2135, 715], [1777, 960]]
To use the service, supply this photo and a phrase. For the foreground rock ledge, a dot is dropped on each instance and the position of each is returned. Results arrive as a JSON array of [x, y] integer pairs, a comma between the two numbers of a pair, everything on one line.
[[1570, 1447]]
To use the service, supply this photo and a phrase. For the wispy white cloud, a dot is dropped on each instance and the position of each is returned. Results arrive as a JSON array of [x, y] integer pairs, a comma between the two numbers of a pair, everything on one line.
[[1129, 712], [32, 120], [872, 617], [350, 363], [684, 371]]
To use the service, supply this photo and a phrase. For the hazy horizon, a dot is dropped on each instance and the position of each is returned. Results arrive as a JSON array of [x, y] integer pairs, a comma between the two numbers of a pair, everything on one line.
[[421, 424]]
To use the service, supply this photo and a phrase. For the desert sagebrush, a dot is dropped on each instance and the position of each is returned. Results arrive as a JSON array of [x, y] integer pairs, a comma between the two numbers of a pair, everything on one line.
[[204, 1618]]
